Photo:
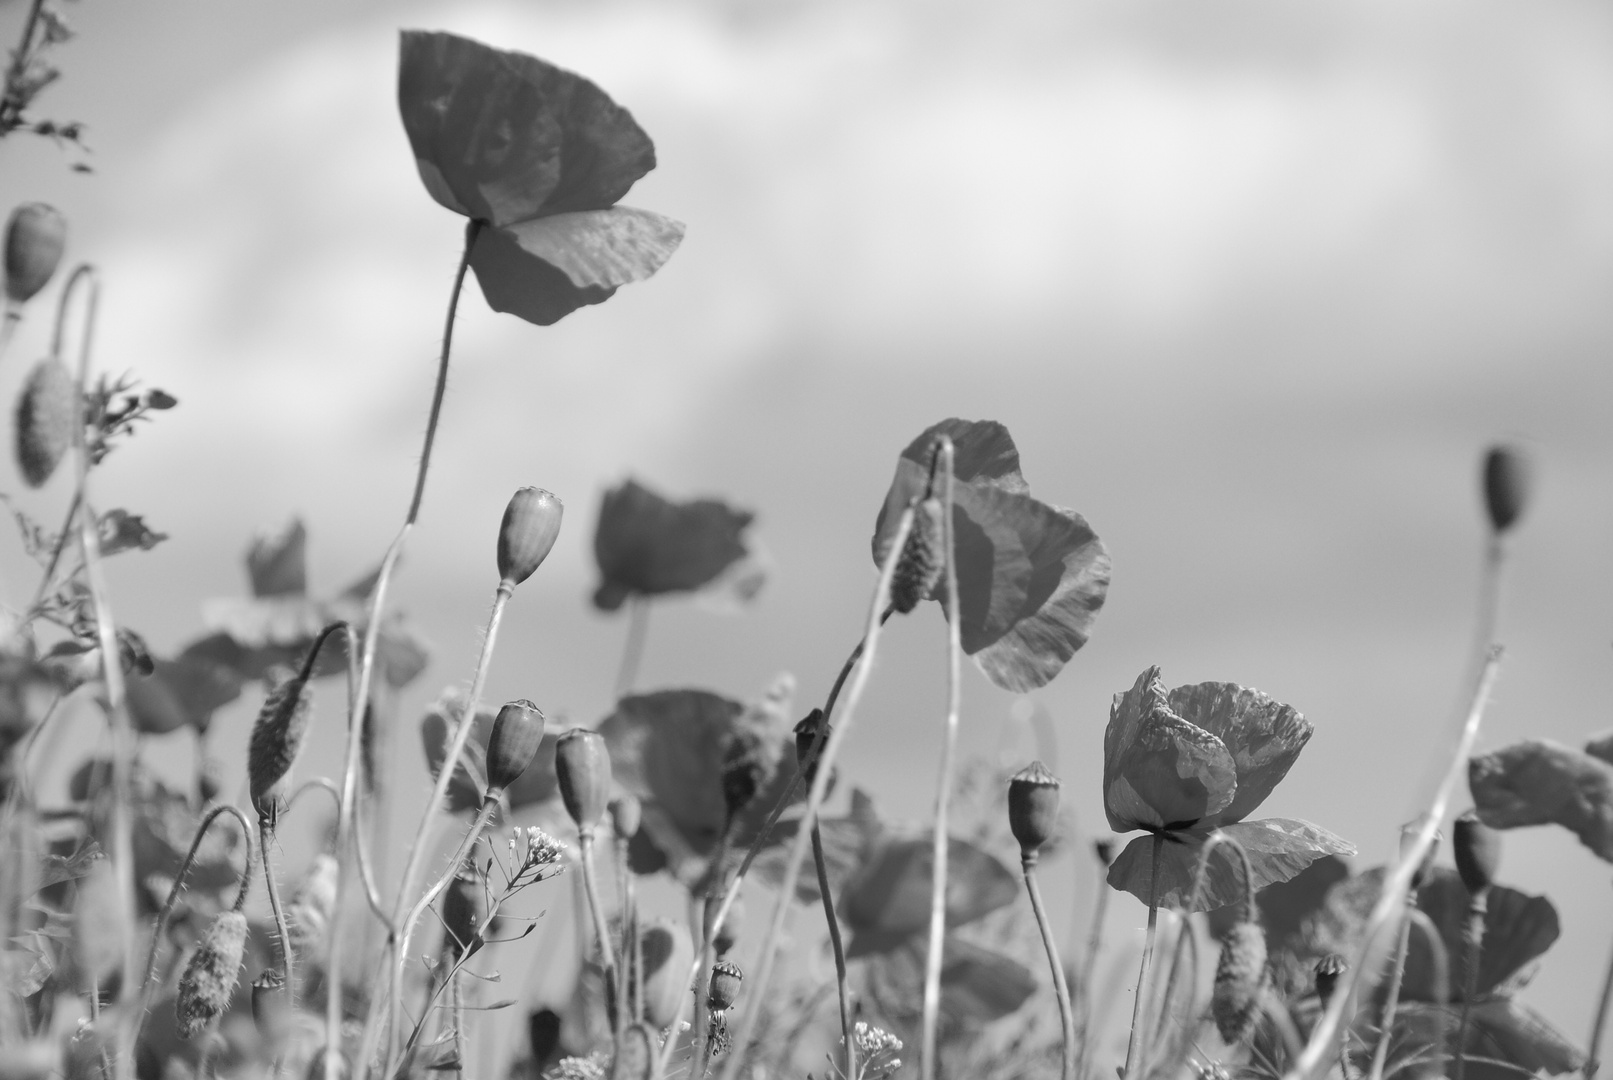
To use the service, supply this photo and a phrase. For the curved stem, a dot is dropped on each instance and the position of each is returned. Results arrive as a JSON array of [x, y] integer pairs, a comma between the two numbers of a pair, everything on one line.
[[1060, 988], [822, 867], [1134, 1043], [638, 620], [1094, 942], [281, 929], [372, 892], [1472, 948], [1391, 1003], [820, 788]]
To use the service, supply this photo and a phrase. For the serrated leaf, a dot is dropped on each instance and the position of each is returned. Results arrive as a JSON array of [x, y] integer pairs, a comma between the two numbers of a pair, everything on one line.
[[1540, 782]]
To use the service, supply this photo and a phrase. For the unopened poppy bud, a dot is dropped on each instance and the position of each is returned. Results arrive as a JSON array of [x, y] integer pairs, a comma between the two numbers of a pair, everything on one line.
[[919, 568], [724, 988], [668, 951], [1239, 979], [1506, 486], [1033, 808], [46, 413], [208, 984], [271, 1007], [517, 734], [276, 739], [1477, 849], [35, 238], [1105, 850], [806, 733], [1329, 969], [582, 767], [531, 523], [635, 1053], [626, 813]]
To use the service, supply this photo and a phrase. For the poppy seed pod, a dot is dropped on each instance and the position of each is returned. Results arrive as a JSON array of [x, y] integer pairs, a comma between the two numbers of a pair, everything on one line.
[[919, 568], [626, 814], [1477, 849], [806, 732], [1328, 971], [517, 734], [1239, 979], [276, 739], [668, 951], [582, 767], [1033, 808], [1506, 486], [46, 412], [271, 1007], [724, 988], [35, 238], [531, 523], [208, 984]]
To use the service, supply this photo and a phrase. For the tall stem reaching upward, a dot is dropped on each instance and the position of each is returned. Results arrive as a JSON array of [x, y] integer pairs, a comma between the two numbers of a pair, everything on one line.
[[1134, 1043]]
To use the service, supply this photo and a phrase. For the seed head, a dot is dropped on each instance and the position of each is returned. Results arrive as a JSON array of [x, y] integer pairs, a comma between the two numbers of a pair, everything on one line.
[[531, 523], [277, 737], [582, 767], [1329, 969], [1477, 849], [271, 1007], [918, 570], [668, 951], [1506, 486], [724, 987], [310, 912], [517, 734], [47, 409], [35, 238], [208, 984], [1239, 979], [626, 814], [1033, 808]]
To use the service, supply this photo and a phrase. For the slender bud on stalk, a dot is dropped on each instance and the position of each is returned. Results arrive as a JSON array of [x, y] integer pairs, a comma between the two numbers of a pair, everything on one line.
[[635, 1054], [277, 738], [806, 732], [36, 235], [531, 523], [208, 984], [626, 814], [724, 987], [582, 767], [919, 569], [47, 409], [1329, 969], [1506, 486], [1033, 808], [1239, 978], [517, 734], [668, 951], [1477, 849]]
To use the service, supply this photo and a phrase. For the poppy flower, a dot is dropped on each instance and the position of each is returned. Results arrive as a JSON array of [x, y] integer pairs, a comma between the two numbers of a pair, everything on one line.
[[1541, 782], [1198, 759], [648, 545], [539, 156]]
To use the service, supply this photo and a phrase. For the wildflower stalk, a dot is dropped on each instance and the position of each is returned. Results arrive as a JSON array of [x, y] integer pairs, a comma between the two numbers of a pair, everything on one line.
[[1472, 948], [837, 948], [638, 621], [1312, 1061], [1134, 1043], [943, 795], [820, 788], [1599, 1023], [1094, 943], [1061, 989]]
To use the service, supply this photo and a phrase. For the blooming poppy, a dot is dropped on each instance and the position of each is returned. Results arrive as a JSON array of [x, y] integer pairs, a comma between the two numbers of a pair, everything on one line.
[[1187, 763], [648, 545]]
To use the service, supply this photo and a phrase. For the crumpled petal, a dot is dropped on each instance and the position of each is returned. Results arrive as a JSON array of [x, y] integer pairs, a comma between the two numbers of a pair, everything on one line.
[[1518, 929], [1279, 848], [1159, 770], [1263, 735], [1540, 782]]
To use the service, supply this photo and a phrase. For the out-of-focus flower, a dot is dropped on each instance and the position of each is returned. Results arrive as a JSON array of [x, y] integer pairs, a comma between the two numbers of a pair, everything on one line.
[[648, 545]]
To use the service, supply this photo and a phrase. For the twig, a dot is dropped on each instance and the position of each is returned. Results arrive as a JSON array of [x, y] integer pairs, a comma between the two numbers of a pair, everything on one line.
[[1061, 988]]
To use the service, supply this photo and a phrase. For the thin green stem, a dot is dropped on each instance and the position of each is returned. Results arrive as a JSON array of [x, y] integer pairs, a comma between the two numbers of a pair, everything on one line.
[[282, 930], [1599, 1023], [638, 621], [822, 867], [1094, 943], [626, 994], [1061, 988], [596, 908], [1134, 1043], [1472, 949]]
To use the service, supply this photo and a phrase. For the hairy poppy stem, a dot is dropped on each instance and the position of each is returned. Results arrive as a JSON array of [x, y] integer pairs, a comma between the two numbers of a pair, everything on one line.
[[1061, 988], [1088, 969], [281, 929], [596, 908], [1472, 948], [638, 623], [1134, 1043], [822, 867], [1185, 938], [1599, 1023]]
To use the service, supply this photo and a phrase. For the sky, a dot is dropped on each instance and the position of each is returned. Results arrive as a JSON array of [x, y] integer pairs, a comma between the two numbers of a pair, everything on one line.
[[1252, 284]]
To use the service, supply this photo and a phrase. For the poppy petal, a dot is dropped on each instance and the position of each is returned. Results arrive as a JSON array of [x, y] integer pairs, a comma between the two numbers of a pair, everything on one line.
[[978, 985], [1518, 928], [649, 545], [1278, 848], [1263, 735], [515, 281], [1158, 769], [601, 248], [889, 899], [1539, 782], [1505, 1040]]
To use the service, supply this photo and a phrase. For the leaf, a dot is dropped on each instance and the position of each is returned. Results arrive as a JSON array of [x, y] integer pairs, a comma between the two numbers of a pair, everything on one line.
[[1500, 1030], [648, 545], [601, 248], [1539, 782], [278, 565], [1031, 576], [1279, 848], [1518, 929], [122, 531], [888, 901]]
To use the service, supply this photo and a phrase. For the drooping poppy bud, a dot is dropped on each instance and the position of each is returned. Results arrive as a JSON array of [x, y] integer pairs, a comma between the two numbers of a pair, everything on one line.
[[1506, 486], [208, 984], [36, 235], [1239, 980], [668, 951], [47, 409], [922, 560], [1329, 969], [626, 814], [806, 733], [582, 767], [1477, 849], [517, 734], [531, 523], [724, 988], [277, 738], [1033, 808]]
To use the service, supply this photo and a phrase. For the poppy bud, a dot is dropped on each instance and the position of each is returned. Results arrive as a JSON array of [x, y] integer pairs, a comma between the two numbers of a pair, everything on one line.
[[271, 1007], [517, 734], [46, 412], [635, 1053], [728, 934], [1506, 486], [668, 951], [276, 739], [531, 522], [725, 980], [1033, 807], [626, 813], [919, 568], [1105, 850], [1328, 971], [1477, 849], [1239, 979], [35, 238], [208, 984], [806, 732], [582, 767]]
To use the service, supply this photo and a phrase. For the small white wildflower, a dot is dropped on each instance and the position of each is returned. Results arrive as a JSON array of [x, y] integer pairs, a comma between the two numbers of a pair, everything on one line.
[[593, 1067], [872, 1040]]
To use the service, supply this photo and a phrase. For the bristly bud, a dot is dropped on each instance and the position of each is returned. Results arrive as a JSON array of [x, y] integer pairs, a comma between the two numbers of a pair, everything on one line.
[[582, 767], [919, 568], [208, 984], [1239, 980], [1104, 849], [1506, 486], [1329, 969], [668, 951], [1033, 808], [626, 814], [517, 734], [47, 409], [277, 738], [310, 913], [1477, 849], [806, 732], [271, 1007], [635, 1053], [724, 988], [531, 523], [36, 235], [465, 908]]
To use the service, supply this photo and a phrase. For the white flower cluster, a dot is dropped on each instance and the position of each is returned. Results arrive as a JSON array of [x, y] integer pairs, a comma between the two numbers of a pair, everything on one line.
[[535, 855], [595, 1066], [873, 1040]]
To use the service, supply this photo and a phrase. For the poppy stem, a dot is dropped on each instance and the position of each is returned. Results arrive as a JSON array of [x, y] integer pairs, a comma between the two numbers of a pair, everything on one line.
[[1599, 1022], [1094, 943], [282, 930], [1472, 947], [1186, 937], [1134, 1043], [822, 867], [638, 622], [1061, 989], [1391, 1004]]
